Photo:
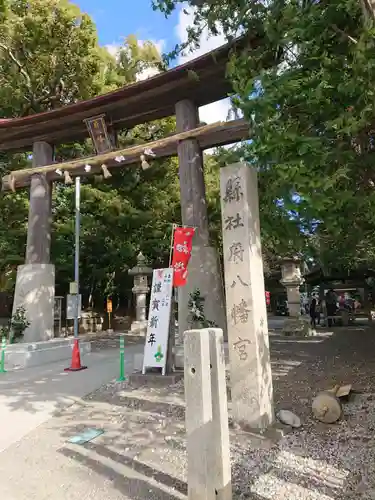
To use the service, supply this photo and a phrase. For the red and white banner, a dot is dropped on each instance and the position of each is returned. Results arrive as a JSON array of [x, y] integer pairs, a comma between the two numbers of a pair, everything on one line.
[[182, 245]]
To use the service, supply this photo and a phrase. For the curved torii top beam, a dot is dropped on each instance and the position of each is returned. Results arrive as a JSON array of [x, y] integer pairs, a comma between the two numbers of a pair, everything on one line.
[[202, 80]]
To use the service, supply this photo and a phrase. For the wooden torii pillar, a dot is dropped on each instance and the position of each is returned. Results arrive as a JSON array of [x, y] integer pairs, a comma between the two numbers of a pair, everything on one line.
[[204, 269], [35, 285]]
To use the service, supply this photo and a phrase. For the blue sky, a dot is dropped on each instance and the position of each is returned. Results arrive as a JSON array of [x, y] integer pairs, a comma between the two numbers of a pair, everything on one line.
[[115, 19]]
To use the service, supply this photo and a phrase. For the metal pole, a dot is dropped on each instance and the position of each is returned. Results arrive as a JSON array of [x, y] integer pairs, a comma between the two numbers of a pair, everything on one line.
[[76, 248]]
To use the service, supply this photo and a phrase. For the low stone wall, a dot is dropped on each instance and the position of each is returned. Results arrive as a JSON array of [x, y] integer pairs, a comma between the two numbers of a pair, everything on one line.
[[25, 355]]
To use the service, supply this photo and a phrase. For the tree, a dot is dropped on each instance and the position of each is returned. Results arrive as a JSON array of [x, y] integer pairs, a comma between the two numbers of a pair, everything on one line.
[[137, 60], [311, 112], [49, 41], [49, 56]]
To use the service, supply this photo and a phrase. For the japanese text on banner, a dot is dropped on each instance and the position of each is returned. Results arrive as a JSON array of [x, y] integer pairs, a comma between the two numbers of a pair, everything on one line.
[[182, 245], [156, 345]]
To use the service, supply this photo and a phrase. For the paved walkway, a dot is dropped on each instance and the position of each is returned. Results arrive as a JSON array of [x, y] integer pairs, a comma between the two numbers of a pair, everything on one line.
[[41, 408], [30, 397]]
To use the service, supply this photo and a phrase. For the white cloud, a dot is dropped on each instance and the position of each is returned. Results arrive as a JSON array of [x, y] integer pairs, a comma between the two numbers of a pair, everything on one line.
[[113, 48], [207, 44], [159, 44], [216, 111], [147, 73]]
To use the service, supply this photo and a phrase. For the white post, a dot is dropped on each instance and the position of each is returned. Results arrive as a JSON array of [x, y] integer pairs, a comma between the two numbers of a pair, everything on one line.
[[221, 467], [250, 368], [198, 414]]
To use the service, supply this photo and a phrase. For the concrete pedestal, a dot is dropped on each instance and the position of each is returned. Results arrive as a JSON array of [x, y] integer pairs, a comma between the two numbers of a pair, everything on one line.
[[179, 356], [35, 291], [139, 328], [292, 280], [298, 326], [140, 300], [203, 273]]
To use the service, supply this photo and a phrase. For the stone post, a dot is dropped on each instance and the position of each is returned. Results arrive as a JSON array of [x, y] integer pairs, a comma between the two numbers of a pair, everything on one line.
[[250, 367], [204, 268], [198, 414], [220, 463], [140, 290], [292, 280], [208, 453], [35, 285]]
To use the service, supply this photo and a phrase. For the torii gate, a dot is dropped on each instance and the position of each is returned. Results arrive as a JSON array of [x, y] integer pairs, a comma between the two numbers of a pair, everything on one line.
[[180, 91]]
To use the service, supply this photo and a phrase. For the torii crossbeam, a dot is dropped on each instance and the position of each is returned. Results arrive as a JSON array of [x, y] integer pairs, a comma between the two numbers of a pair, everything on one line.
[[208, 136]]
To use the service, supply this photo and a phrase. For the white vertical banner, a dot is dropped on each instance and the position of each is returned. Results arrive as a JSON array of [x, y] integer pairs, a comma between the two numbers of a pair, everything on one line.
[[159, 314]]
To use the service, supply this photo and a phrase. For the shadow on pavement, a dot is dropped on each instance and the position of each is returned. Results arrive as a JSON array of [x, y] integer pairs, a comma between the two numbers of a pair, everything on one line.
[[133, 488]]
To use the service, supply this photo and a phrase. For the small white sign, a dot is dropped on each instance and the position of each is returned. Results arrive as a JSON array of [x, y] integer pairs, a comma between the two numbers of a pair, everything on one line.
[[73, 288], [159, 315], [72, 303]]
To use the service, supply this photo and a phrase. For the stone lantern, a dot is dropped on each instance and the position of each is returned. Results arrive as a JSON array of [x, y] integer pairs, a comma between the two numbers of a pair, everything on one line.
[[140, 289], [292, 280]]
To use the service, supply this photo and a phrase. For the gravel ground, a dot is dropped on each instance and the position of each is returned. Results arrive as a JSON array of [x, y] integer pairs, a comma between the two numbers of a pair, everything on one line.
[[145, 426]]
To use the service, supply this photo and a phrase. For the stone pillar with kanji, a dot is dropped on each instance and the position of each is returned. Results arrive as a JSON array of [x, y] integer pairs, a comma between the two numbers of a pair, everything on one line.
[[249, 354], [292, 280]]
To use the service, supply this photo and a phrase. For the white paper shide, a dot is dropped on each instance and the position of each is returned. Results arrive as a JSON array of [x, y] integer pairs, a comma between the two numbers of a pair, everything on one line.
[[156, 345]]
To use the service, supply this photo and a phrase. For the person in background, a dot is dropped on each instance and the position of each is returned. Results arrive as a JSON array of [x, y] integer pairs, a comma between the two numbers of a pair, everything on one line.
[[331, 305], [318, 311], [342, 301], [313, 312]]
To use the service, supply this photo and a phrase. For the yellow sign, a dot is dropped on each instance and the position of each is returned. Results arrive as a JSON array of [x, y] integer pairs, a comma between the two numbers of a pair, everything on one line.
[[109, 306]]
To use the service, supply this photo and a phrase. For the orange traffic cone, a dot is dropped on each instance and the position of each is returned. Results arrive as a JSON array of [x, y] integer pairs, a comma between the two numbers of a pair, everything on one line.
[[76, 359]]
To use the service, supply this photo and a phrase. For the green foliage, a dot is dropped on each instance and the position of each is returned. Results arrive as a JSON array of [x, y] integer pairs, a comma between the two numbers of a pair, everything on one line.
[[51, 58], [16, 326], [132, 212], [197, 318], [135, 59], [307, 92]]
